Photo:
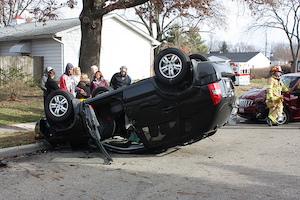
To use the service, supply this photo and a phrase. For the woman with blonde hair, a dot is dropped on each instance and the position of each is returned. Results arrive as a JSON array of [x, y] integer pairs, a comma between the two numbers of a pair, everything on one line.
[[77, 75]]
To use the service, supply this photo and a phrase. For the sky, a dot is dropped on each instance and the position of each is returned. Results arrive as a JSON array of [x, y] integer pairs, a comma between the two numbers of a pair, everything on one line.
[[237, 30]]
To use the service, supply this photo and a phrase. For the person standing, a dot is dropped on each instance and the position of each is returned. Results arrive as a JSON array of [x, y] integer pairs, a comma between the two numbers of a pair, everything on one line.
[[98, 81], [77, 75], [66, 83], [120, 79], [44, 79], [83, 88], [51, 84], [274, 98], [93, 70]]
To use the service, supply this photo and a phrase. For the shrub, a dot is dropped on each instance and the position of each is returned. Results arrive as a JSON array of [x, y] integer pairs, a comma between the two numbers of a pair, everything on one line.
[[265, 72], [12, 80], [260, 73]]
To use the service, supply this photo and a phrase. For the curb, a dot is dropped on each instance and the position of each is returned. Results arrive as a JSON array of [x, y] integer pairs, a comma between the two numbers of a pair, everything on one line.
[[22, 150], [259, 127]]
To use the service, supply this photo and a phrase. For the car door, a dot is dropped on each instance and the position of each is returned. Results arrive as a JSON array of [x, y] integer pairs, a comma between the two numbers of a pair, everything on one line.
[[294, 103]]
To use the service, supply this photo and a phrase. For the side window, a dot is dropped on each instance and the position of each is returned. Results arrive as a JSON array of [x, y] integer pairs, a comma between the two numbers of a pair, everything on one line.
[[297, 88]]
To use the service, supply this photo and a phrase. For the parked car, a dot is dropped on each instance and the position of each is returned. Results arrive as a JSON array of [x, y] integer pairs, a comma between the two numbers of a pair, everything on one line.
[[252, 104], [188, 99]]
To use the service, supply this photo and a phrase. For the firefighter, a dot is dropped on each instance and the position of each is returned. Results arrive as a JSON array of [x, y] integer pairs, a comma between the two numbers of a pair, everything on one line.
[[274, 99]]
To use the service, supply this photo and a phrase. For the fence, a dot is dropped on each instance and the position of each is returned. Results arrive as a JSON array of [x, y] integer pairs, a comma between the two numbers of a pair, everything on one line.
[[31, 66]]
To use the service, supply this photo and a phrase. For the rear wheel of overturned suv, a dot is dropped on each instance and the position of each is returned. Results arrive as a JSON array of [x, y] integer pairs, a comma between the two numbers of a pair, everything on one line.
[[198, 57], [171, 66], [59, 107]]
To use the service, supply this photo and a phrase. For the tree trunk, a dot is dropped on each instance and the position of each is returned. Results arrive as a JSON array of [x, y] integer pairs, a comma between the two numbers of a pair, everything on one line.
[[90, 42], [295, 65]]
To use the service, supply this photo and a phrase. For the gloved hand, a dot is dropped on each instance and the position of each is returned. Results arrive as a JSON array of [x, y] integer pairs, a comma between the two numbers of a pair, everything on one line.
[[278, 99]]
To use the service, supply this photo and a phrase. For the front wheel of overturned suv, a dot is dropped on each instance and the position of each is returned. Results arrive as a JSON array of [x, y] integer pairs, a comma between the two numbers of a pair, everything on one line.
[[59, 107], [171, 66]]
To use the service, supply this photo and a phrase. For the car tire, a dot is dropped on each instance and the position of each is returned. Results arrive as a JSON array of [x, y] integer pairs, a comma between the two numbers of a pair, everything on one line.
[[198, 57], [171, 66], [99, 90], [286, 118], [59, 106]]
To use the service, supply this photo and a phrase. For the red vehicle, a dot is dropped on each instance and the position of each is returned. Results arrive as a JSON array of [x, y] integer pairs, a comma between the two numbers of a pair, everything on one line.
[[252, 104]]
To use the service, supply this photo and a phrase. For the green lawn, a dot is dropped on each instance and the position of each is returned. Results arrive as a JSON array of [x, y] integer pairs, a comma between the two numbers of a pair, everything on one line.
[[255, 83], [28, 107]]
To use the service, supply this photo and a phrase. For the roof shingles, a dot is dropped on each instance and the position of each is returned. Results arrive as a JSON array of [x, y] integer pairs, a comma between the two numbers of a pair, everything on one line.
[[237, 56], [36, 29]]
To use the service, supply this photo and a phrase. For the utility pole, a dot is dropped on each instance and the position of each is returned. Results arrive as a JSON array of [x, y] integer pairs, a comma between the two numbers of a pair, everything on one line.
[[266, 43]]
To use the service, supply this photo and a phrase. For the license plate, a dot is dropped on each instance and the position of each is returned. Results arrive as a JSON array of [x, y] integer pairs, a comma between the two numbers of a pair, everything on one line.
[[241, 110]]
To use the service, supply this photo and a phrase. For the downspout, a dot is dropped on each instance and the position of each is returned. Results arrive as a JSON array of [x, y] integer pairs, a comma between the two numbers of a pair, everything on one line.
[[153, 47], [63, 52]]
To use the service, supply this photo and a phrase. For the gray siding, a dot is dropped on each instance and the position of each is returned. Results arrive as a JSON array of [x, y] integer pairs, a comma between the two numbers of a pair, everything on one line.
[[51, 51], [4, 49]]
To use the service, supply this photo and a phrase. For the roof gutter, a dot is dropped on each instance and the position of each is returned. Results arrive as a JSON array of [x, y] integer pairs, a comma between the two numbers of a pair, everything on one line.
[[62, 54]]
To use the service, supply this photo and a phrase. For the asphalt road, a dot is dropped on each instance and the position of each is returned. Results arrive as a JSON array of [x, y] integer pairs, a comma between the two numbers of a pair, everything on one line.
[[236, 163]]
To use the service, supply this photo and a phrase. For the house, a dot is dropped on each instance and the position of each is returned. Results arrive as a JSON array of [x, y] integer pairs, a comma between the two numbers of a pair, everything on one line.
[[242, 63], [254, 60], [58, 43]]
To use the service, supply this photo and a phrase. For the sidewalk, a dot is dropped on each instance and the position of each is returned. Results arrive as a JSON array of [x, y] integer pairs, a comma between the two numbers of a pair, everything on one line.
[[24, 127], [22, 149]]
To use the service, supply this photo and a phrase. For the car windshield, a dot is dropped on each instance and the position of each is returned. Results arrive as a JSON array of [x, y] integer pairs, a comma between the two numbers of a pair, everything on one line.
[[289, 81]]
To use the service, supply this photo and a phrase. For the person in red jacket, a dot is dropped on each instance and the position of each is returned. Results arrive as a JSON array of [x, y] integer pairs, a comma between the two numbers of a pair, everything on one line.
[[66, 83]]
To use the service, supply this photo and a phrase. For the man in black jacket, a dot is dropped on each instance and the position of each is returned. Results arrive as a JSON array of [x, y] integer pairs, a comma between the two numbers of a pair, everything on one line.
[[120, 79], [51, 85]]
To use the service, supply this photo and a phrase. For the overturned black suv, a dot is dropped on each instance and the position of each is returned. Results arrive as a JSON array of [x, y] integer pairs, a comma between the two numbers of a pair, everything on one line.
[[188, 99]]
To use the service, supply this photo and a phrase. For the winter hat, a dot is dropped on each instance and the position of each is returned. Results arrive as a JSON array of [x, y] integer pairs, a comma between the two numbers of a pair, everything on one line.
[[48, 69], [68, 67]]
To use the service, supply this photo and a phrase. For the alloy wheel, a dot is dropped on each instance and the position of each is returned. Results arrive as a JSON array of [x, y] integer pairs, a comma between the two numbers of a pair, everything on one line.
[[170, 66], [58, 105]]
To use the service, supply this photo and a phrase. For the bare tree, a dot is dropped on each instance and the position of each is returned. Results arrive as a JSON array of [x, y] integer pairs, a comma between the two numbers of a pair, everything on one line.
[[281, 52], [243, 47], [283, 15], [165, 13], [41, 10]]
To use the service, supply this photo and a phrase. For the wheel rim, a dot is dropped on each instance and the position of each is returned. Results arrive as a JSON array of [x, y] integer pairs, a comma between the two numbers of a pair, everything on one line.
[[58, 105], [284, 119], [170, 66]]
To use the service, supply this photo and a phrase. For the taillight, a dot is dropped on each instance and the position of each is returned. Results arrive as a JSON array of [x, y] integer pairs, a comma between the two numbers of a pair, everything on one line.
[[215, 93]]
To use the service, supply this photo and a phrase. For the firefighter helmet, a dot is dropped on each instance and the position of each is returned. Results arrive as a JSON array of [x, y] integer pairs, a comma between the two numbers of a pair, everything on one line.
[[276, 69]]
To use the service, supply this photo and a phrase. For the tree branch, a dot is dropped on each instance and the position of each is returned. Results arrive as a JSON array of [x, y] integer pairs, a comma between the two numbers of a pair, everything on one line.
[[121, 4]]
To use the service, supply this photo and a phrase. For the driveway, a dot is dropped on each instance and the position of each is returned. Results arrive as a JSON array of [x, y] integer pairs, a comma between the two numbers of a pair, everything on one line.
[[236, 163]]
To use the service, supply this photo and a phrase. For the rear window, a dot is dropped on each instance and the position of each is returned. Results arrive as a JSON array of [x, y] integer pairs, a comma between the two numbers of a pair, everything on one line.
[[289, 81]]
